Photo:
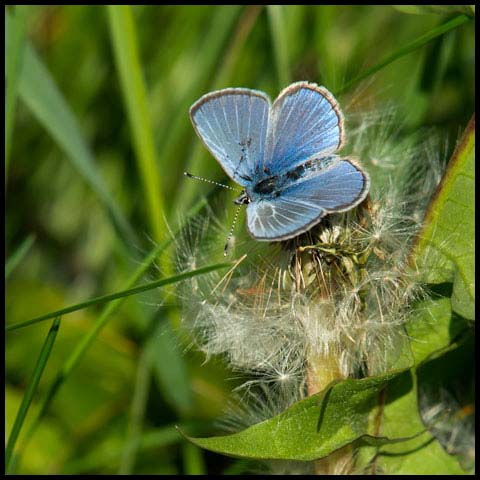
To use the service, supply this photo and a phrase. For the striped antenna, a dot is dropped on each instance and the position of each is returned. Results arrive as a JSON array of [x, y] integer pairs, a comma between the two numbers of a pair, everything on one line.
[[237, 211], [211, 181]]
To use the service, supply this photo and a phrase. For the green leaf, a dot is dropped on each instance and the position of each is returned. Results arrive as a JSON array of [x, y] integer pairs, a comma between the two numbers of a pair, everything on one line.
[[444, 251], [38, 90], [312, 428], [432, 328], [30, 391], [398, 417], [125, 46]]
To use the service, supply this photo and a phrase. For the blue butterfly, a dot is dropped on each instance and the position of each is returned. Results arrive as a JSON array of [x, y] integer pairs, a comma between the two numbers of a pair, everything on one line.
[[283, 155]]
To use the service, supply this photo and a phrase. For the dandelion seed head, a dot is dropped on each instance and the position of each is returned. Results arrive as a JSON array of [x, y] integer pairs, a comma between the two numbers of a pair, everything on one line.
[[341, 290]]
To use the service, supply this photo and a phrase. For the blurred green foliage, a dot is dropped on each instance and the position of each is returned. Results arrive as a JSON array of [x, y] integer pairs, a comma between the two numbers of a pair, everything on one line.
[[117, 410]]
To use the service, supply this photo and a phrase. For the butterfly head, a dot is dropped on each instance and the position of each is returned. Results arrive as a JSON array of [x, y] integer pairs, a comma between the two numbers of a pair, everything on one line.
[[242, 199]]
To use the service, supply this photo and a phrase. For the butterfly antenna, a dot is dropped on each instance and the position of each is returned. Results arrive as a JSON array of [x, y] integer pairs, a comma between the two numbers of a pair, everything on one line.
[[237, 211], [211, 181]]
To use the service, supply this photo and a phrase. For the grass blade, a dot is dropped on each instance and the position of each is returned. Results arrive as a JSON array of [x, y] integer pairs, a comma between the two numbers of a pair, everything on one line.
[[39, 92], [244, 26], [30, 391], [280, 44], [15, 36], [176, 127], [125, 47], [18, 255], [193, 461], [123, 293], [198, 160], [139, 402], [75, 357], [419, 42]]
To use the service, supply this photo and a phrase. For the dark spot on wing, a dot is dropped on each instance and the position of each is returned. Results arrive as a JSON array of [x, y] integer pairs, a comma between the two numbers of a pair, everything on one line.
[[296, 173], [265, 186]]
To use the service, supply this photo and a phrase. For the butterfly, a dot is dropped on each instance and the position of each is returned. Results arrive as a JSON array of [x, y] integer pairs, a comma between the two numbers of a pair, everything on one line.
[[282, 154]]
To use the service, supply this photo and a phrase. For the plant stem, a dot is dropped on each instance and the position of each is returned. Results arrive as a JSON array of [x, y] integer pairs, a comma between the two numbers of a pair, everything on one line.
[[323, 369]]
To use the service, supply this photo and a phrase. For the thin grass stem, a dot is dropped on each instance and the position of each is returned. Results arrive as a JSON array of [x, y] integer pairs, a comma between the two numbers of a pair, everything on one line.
[[29, 393]]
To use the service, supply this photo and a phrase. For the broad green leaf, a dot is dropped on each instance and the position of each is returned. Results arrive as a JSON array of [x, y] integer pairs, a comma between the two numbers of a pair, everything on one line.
[[399, 417], [312, 428], [444, 251], [432, 328], [38, 90]]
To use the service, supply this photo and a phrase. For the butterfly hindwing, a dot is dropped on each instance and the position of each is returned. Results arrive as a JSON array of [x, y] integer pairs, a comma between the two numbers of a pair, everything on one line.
[[276, 219], [233, 125], [336, 186]]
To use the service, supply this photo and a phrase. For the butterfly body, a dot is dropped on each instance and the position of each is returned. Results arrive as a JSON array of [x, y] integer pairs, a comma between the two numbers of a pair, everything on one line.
[[283, 155]]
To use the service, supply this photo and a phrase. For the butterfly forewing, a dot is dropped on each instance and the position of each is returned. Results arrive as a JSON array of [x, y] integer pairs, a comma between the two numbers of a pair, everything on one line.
[[305, 121], [233, 125]]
